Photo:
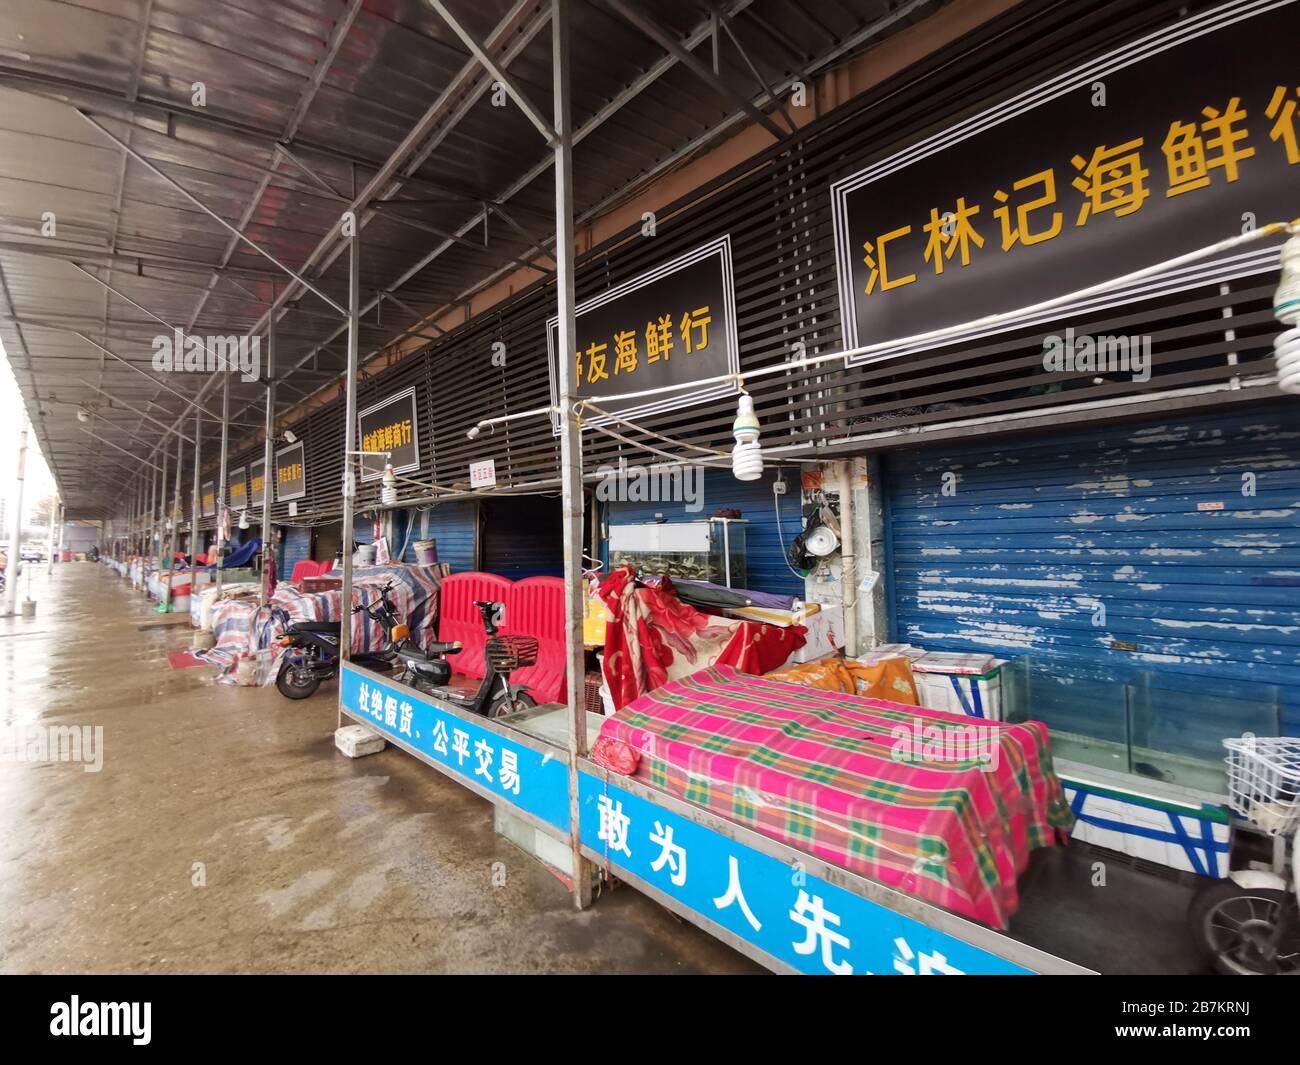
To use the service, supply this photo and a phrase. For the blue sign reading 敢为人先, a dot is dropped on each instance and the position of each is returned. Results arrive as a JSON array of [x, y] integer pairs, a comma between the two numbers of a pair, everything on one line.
[[534, 782], [809, 924]]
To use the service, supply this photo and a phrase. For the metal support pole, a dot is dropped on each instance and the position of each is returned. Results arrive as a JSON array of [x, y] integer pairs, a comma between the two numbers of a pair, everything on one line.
[[55, 512], [268, 464], [162, 506], [848, 559], [220, 539], [196, 507], [16, 527], [349, 446], [176, 523], [570, 437]]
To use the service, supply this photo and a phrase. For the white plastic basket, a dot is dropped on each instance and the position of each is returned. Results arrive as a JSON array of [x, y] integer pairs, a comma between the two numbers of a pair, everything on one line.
[[1264, 781]]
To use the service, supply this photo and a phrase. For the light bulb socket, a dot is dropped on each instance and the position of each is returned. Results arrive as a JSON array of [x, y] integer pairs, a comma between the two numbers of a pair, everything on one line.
[[746, 420]]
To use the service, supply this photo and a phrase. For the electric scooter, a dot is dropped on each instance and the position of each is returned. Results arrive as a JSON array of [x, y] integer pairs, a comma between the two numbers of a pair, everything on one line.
[[495, 696], [312, 648], [1249, 923]]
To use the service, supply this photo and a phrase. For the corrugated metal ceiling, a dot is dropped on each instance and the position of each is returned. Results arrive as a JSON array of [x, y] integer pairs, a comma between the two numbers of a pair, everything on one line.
[[307, 106]]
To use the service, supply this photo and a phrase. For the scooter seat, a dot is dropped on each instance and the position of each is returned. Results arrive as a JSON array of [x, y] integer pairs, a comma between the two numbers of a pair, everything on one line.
[[329, 628], [416, 657]]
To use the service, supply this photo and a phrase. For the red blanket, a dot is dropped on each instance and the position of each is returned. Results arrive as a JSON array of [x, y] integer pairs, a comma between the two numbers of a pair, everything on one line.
[[653, 637]]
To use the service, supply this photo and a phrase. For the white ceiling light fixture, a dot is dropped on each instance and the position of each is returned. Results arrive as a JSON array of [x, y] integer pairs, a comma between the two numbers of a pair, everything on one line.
[[747, 455]]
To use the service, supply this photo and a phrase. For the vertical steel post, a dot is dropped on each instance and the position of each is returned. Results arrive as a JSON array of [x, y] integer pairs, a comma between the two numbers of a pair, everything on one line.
[[196, 506], [220, 538], [16, 527], [570, 436], [156, 549], [268, 460], [55, 511], [176, 524], [350, 445]]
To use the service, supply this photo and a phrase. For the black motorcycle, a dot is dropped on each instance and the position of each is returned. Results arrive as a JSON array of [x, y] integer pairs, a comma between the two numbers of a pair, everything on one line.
[[312, 648], [311, 656], [495, 696]]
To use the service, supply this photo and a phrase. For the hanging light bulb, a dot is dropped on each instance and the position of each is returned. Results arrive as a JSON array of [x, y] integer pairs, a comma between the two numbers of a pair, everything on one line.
[[747, 455], [388, 496], [243, 519], [1286, 307]]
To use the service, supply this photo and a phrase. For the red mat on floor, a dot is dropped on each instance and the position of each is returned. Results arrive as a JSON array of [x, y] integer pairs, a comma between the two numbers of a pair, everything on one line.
[[185, 660]]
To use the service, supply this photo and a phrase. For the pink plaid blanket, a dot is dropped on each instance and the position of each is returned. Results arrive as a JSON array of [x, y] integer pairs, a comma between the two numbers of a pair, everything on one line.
[[938, 805]]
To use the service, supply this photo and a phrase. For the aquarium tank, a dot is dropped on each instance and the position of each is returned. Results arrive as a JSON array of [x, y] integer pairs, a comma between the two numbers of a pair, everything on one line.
[[1154, 725]]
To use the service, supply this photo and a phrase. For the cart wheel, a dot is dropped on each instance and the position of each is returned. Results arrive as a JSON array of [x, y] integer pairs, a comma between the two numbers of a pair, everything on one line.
[[1234, 927], [503, 705], [294, 683]]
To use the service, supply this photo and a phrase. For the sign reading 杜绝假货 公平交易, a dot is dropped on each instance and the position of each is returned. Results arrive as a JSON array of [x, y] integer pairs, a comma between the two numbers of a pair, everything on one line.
[[391, 426], [499, 767], [291, 472], [1180, 140], [672, 325]]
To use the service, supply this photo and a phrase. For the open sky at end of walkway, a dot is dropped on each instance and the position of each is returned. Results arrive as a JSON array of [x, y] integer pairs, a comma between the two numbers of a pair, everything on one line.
[[13, 416]]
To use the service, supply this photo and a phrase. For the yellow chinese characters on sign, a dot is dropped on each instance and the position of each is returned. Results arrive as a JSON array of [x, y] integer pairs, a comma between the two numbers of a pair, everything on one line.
[[388, 437], [623, 354], [1116, 178]]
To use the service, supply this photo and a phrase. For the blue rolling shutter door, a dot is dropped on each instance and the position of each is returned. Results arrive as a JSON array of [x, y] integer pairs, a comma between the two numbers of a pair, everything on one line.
[[295, 548], [452, 525], [1149, 520]]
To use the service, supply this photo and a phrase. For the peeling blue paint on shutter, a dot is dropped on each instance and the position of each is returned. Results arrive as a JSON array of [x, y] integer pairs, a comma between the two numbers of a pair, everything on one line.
[[1151, 521]]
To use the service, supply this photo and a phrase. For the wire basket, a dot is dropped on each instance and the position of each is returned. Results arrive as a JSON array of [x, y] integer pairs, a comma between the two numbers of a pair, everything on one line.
[[505, 654], [1264, 781]]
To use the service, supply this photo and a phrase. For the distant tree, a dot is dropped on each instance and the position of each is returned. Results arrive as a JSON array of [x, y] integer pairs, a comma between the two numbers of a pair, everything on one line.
[[43, 511]]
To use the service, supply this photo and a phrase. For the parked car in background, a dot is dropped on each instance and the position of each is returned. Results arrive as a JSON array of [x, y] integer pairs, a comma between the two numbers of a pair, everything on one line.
[[32, 553]]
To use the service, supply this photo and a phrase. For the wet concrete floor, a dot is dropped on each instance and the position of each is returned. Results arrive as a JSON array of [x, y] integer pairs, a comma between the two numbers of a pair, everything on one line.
[[224, 833]]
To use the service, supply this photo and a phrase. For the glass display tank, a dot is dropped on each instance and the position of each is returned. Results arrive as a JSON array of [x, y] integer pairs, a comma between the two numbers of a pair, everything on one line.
[[710, 550], [1153, 725]]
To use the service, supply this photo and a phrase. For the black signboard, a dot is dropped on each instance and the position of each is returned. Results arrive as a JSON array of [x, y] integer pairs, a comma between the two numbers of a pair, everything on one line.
[[257, 478], [238, 489], [291, 472], [390, 425], [208, 505], [1175, 142], [672, 325]]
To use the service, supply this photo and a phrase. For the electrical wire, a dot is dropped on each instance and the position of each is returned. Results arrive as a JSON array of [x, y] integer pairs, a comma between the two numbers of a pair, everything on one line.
[[776, 504]]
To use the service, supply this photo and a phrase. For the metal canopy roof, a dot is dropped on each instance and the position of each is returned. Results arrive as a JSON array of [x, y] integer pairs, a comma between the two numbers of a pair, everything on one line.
[[186, 163]]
